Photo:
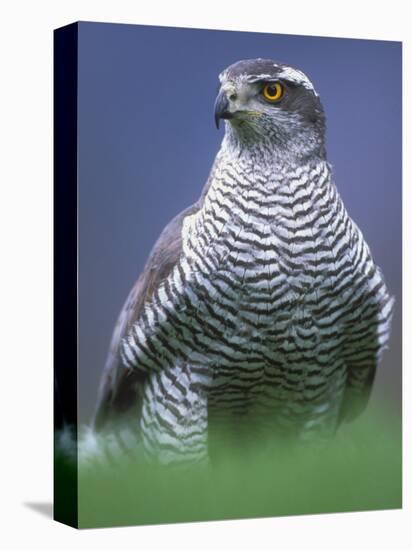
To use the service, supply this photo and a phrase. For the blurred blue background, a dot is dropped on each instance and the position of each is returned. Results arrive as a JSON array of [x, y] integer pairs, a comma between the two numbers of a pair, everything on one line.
[[147, 141]]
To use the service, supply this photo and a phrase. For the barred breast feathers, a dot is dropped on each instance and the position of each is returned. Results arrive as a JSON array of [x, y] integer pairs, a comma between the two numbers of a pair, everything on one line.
[[279, 233]]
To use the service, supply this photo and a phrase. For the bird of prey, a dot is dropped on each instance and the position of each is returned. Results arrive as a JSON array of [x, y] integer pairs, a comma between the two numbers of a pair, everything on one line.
[[260, 303]]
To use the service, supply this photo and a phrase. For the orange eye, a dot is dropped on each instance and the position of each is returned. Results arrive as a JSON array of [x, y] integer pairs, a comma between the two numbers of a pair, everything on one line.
[[273, 91]]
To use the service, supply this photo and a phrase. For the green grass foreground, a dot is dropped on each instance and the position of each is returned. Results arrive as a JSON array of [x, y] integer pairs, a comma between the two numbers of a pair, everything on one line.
[[361, 469]]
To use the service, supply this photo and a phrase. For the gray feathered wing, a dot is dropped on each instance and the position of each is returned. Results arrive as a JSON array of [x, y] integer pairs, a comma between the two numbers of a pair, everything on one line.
[[120, 388]]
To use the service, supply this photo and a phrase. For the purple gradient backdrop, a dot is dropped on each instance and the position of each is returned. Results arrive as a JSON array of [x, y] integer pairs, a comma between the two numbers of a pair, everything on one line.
[[147, 141]]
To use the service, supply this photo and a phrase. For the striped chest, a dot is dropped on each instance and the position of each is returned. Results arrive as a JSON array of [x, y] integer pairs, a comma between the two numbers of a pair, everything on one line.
[[264, 286], [256, 313], [264, 263], [262, 254]]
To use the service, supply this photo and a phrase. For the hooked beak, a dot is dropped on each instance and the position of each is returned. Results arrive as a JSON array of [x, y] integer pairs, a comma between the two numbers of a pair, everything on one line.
[[222, 108]]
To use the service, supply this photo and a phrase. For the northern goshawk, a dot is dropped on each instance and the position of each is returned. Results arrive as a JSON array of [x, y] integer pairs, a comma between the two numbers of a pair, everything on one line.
[[261, 303]]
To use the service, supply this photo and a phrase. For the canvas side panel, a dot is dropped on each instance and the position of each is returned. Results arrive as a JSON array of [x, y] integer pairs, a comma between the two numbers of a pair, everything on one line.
[[65, 274]]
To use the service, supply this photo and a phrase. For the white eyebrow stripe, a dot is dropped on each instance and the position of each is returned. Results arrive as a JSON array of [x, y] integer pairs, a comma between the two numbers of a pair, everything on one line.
[[288, 73], [256, 77], [294, 75]]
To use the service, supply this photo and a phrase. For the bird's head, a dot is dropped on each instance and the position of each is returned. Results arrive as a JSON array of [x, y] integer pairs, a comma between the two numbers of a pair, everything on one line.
[[271, 105]]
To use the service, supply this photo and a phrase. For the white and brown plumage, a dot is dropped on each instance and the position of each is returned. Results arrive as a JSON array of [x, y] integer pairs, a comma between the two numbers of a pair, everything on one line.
[[260, 303]]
